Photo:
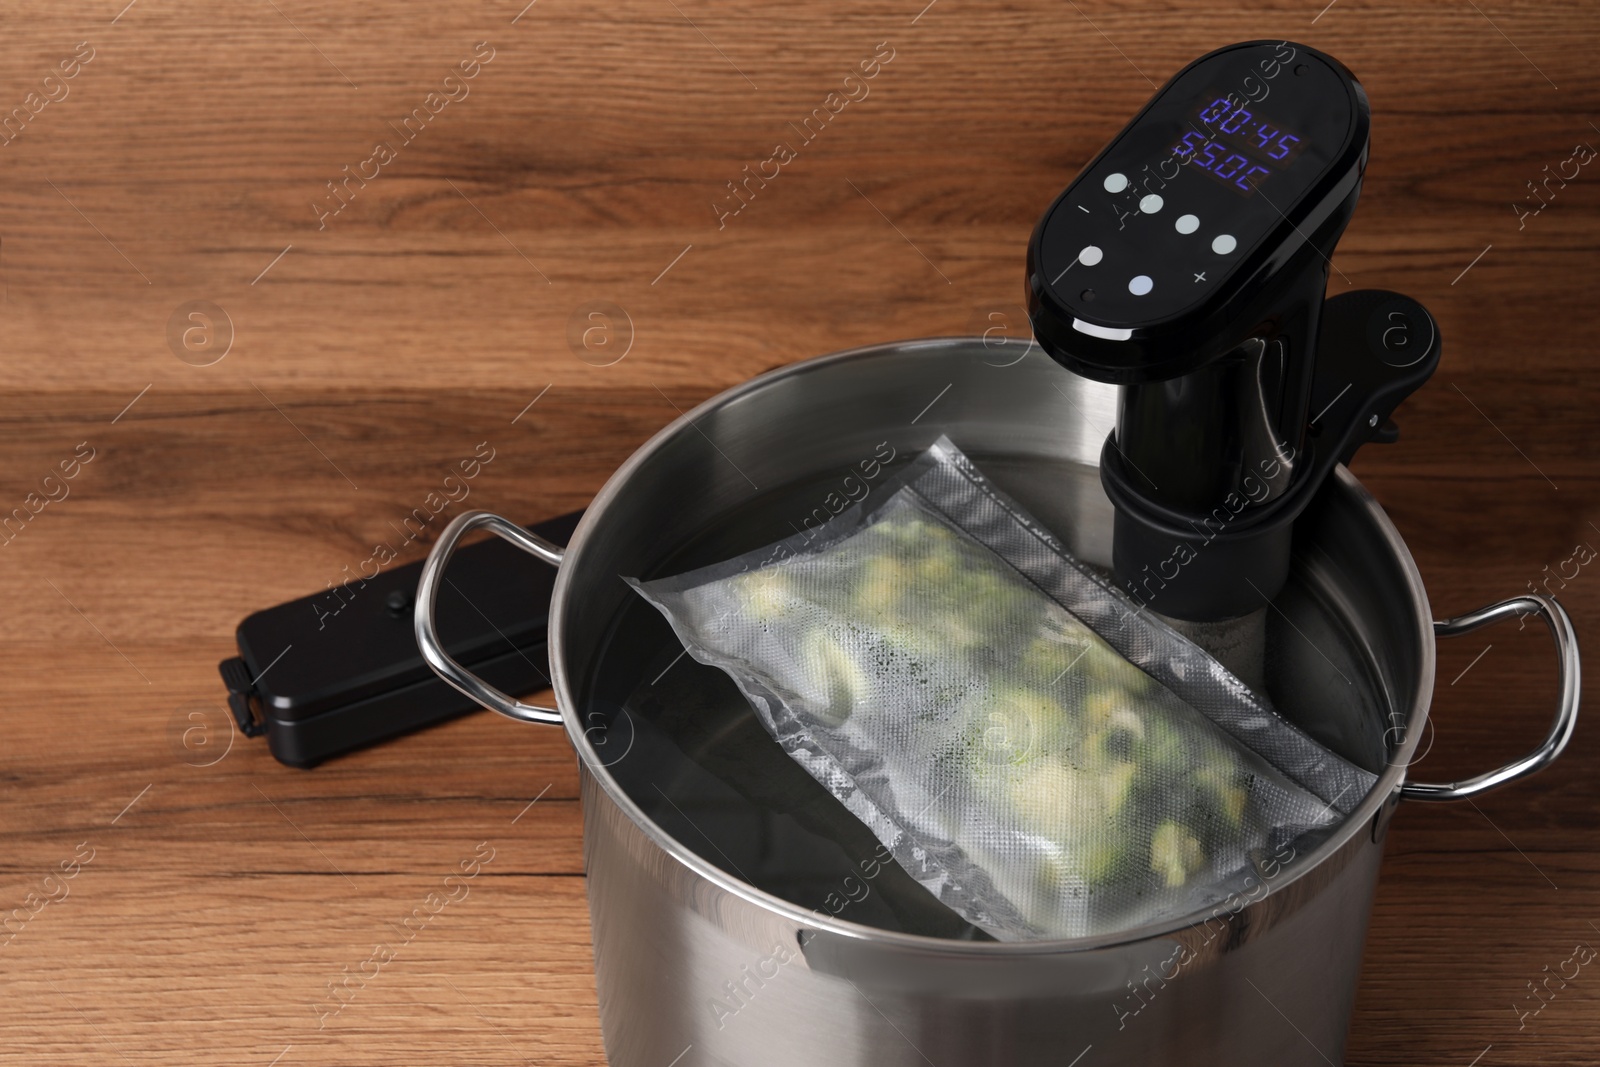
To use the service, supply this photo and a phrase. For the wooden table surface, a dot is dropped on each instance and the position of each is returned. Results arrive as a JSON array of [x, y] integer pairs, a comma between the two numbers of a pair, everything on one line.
[[365, 350]]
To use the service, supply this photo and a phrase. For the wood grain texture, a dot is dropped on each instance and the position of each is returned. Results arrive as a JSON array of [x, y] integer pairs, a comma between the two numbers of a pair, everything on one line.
[[422, 318]]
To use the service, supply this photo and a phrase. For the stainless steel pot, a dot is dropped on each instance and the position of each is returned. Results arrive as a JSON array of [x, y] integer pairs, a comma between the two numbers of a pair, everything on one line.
[[695, 966]]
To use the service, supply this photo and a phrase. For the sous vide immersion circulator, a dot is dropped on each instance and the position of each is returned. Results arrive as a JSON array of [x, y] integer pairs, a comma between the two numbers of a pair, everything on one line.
[[1188, 264]]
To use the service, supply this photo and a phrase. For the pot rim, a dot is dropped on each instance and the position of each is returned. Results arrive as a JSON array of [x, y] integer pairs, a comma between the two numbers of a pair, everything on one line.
[[1358, 821]]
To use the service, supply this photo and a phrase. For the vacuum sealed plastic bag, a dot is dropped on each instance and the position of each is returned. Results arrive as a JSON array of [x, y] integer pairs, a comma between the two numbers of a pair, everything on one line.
[[1042, 756]]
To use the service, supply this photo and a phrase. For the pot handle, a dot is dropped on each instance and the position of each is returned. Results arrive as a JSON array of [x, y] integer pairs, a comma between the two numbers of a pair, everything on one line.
[[1567, 672], [433, 569]]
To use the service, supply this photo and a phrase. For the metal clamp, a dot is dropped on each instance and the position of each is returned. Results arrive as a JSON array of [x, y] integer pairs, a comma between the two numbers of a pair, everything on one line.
[[1555, 617], [433, 569]]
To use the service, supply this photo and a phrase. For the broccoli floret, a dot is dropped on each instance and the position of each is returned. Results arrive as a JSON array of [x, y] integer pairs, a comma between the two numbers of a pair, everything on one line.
[[1175, 853]]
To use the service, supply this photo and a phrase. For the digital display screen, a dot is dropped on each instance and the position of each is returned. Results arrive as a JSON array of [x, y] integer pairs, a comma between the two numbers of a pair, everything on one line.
[[1236, 145]]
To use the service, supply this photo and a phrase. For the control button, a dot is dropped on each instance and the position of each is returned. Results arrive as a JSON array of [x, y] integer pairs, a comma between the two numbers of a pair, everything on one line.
[[1200, 277], [1115, 183], [1224, 243], [1187, 223], [1090, 255], [1151, 204], [1140, 285]]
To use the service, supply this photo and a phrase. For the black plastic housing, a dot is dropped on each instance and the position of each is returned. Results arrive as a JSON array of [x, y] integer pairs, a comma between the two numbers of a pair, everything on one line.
[[340, 670], [1188, 264], [1376, 347], [1180, 325]]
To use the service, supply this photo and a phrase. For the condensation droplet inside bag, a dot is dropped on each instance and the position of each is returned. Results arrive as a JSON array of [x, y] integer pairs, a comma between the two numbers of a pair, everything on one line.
[[1044, 759]]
